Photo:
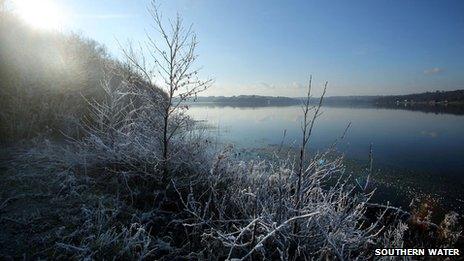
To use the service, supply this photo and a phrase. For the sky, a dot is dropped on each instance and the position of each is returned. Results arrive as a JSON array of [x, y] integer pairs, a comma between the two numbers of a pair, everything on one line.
[[271, 47]]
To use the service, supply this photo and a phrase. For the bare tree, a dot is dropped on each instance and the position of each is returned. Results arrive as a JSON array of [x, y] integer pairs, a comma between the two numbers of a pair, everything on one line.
[[306, 129], [173, 52]]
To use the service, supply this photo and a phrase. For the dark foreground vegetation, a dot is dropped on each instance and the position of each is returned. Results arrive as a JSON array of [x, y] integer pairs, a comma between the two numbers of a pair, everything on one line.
[[99, 162]]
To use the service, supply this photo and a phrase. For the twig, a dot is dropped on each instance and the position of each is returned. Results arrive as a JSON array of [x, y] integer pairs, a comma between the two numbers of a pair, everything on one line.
[[260, 243]]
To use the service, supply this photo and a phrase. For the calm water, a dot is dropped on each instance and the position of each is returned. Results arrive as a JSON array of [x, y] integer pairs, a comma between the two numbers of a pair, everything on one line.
[[425, 145]]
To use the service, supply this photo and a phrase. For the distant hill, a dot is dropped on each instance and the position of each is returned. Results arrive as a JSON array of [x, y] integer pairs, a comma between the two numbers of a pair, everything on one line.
[[248, 100], [349, 100], [438, 97], [427, 98], [44, 76]]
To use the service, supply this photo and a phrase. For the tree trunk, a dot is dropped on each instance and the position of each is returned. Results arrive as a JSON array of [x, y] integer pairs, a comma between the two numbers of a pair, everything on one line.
[[165, 150]]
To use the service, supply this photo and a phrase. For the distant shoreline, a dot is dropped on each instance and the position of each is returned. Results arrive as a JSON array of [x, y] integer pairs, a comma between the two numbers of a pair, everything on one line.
[[450, 102], [454, 98]]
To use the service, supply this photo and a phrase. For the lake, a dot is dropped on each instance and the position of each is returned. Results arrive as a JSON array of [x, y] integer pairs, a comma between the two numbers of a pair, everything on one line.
[[414, 151]]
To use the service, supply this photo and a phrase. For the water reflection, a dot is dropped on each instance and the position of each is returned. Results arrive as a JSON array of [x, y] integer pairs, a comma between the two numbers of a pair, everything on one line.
[[415, 153], [401, 138]]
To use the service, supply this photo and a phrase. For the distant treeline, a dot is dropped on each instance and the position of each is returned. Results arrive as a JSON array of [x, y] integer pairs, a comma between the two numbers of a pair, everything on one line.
[[438, 97], [451, 97], [247, 100]]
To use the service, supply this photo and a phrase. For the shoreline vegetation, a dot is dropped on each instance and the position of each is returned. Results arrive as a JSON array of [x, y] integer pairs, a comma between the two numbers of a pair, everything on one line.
[[393, 184], [132, 177], [451, 102], [431, 98]]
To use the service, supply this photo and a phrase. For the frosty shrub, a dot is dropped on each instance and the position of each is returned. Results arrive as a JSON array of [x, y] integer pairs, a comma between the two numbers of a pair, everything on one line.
[[216, 205], [143, 182], [246, 209]]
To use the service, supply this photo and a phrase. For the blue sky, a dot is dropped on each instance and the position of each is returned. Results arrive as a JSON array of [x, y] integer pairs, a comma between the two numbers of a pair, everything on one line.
[[271, 47]]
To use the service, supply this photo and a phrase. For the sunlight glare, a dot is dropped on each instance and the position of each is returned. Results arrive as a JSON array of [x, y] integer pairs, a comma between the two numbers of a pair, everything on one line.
[[43, 14]]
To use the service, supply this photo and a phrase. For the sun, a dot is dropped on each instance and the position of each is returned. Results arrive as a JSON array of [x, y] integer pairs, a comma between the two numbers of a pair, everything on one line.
[[42, 14]]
